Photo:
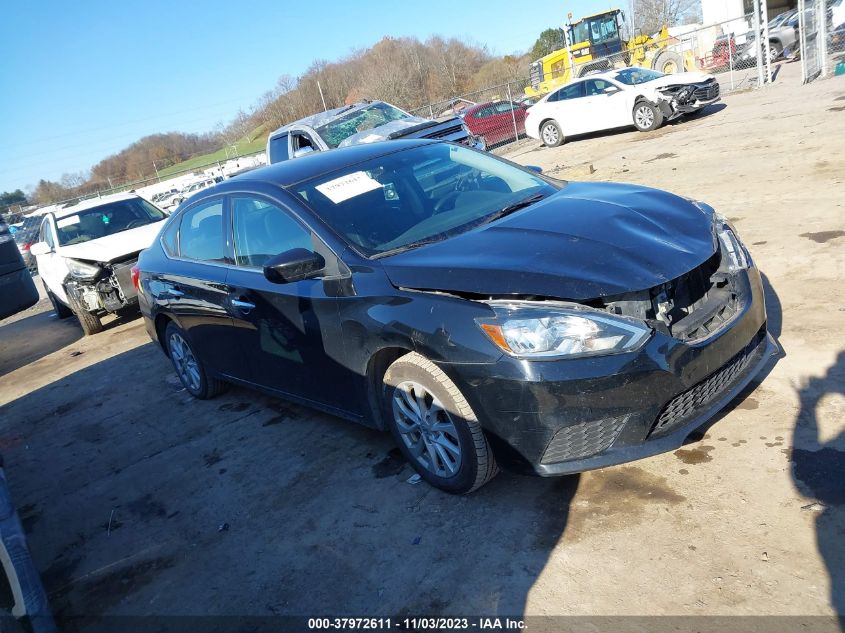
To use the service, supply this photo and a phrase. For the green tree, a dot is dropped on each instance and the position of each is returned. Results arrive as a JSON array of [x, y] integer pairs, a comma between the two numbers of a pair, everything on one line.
[[549, 41]]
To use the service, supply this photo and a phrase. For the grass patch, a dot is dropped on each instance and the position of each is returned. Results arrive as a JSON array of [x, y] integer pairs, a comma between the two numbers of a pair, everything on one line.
[[250, 143]]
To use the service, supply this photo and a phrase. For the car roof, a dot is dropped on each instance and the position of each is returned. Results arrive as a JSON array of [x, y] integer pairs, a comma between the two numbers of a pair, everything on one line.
[[92, 203], [321, 118], [290, 172]]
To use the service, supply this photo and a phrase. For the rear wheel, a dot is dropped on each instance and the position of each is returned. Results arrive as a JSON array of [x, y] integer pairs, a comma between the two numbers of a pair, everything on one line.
[[647, 117], [551, 134], [435, 427], [668, 62], [189, 367]]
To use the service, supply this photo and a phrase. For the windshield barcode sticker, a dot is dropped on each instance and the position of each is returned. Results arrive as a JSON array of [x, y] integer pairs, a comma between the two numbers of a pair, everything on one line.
[[68, 221], [348, 186]]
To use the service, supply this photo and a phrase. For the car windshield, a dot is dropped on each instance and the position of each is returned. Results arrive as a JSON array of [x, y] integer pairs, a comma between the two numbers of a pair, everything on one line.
[[634, 76], [367, 118], [420, 195], [106, 219]]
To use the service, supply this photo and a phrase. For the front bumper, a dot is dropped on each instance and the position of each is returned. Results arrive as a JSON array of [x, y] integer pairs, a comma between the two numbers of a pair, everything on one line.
[[567, 416]]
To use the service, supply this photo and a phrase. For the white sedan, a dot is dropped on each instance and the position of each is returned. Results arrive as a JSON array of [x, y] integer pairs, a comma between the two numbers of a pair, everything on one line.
[[640, 97]]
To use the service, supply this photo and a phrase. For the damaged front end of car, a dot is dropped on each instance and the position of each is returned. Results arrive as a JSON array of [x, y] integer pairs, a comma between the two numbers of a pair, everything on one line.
[[679, 99], [101, 286]]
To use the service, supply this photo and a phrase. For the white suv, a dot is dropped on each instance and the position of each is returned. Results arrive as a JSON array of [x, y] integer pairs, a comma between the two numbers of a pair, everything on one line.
[[86, 252]]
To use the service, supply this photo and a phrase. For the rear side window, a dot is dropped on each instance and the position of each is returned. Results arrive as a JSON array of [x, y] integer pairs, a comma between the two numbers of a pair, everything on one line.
[[572, 91], [201, 233], [263, 230], [169, 238], [278, 149]]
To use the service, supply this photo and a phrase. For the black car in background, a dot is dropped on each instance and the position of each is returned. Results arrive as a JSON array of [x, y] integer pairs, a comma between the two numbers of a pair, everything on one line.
[[17, 290], [483, 313]]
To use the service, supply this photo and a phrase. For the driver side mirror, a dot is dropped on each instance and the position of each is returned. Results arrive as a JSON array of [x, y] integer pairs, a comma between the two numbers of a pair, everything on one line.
[[293, 265], [302, 151], [611, 90], [40, 248]]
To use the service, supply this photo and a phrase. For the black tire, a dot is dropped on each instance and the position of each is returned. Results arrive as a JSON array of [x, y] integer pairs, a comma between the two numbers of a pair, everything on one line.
[[668, 62], [554, 136], [61, 310], [206, 386], [90, 323], [644, 122], [477, 464]]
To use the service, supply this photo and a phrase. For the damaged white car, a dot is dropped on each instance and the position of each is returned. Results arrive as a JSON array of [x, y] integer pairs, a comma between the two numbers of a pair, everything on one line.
[[86, 254], [640, 97]]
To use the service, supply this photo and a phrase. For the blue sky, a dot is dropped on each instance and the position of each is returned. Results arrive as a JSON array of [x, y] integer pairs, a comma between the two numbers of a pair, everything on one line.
[[81, 80]]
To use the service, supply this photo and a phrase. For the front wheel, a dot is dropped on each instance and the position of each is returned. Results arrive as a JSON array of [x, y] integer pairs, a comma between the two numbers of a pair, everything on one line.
[[647, 117], [435, 427], [551, 134]]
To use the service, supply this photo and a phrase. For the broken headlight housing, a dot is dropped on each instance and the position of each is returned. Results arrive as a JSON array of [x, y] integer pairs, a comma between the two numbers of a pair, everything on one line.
[[532, 331], [82, 270], [734, 253]]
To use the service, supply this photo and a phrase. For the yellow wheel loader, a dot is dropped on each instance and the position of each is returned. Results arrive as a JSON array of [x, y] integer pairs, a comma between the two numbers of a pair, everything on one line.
[[594, 44]]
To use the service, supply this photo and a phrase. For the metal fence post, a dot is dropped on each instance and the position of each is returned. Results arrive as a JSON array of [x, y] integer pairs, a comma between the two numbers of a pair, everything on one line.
[[822, 11], [513, 115], [764, 20], [802, 39], [758, 44]]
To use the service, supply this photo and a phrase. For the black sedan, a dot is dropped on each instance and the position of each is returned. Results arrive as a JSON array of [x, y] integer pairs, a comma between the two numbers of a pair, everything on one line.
[[485, 314]]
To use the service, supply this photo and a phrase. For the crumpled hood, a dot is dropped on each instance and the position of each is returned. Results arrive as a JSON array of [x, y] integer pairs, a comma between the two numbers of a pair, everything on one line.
[[381, 132], [587, 241], [111, 247], [677, 79]]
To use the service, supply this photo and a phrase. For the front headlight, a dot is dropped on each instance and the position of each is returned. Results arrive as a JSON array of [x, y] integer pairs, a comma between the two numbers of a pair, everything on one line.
[[81, 270], [538, 332], [734, 252]]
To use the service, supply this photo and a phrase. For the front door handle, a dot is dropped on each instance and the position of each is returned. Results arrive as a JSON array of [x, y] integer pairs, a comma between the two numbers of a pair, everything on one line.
[[243, 306]]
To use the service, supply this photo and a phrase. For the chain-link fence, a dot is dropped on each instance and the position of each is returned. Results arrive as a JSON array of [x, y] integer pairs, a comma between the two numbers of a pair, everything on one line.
[[821, 37], [728, 50]]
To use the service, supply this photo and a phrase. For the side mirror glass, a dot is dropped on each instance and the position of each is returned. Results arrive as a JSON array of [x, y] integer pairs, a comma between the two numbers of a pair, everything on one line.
[[536, 168], [302, 151], [40, 248], [293, 265]]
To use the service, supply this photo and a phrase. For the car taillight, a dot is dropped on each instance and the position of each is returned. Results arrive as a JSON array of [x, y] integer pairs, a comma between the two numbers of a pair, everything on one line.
[[136, 277], [25, 247]]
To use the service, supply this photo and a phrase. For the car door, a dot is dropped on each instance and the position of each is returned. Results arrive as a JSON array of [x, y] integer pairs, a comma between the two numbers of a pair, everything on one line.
[[195, 291], [503, 119], [604, 110], [51, 265], [288, 333], [566, 107]]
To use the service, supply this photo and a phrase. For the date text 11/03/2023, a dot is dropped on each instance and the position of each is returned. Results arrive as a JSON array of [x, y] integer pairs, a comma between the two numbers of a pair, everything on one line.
[[417, 624]]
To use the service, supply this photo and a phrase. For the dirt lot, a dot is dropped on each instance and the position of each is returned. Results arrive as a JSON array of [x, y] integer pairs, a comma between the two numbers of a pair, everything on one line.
[[138, 499]]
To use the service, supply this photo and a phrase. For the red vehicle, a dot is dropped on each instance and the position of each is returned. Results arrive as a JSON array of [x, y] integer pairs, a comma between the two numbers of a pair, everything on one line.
[[494, 120]]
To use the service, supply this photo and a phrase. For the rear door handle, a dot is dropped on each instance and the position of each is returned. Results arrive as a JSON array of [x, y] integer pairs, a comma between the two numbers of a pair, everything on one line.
[[243, 306]]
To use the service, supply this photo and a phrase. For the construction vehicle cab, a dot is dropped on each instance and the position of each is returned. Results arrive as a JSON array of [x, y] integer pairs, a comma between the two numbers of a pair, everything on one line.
[[594, 44]]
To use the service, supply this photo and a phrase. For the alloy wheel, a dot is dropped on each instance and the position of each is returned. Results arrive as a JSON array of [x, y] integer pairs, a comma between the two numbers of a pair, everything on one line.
[[426, 429], [550, 135], [185, 362], [644, 117]]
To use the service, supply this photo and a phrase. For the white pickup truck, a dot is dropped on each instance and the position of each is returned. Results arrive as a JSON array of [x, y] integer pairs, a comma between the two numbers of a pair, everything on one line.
[[86, 252]]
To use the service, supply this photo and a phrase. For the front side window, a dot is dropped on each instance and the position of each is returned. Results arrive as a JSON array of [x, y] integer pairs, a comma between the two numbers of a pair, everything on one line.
[[367, 118], [263, 230], [278, 149], [201, 233], [107, 219], [419, 195], [597, 86], [47, 234]]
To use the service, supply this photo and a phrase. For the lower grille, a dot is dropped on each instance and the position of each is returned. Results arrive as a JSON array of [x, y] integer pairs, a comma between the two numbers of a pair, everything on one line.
[[583, 440], [707, 92], [687, 405]]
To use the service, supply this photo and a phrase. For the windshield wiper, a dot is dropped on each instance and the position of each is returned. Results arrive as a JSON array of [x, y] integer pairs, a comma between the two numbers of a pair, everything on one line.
[[516, 206], [407, 247]]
